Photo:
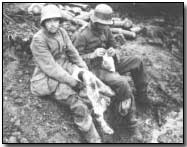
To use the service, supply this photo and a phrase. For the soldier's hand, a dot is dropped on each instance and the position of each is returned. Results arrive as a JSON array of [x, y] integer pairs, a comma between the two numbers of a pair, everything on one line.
[[111, 52], [99, 52]]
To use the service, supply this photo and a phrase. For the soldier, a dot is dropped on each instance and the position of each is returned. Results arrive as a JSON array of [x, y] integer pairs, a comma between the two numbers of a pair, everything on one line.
[[56, 60], [92, 42]]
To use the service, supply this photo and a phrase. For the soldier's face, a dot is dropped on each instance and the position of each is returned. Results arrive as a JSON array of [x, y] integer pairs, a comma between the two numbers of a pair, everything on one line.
[[100, 27], [52, 25]]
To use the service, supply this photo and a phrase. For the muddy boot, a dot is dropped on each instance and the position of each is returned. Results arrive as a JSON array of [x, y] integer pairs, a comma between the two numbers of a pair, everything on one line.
[[135, 134], [133, 127], [92, 136]]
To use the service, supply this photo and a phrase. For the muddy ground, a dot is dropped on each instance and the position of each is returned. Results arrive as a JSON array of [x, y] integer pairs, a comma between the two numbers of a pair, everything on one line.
[[30, 119]]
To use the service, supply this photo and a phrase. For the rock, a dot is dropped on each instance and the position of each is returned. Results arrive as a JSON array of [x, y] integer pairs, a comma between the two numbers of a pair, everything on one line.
[[27, 72], [159, 21], [57, 138], [20, 72], [14, 94], [5, 98], [5, 140], [19, 101], [13, 119], [165, 139], [169, 132], [64, 128], [42, 133], [24, 140], [9, 88], [12, 139], [17, 123], [16, 133], [39, 106]]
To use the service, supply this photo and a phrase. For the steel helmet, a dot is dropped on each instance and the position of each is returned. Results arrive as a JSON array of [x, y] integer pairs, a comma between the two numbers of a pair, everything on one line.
[[102, 14], [50, 11]]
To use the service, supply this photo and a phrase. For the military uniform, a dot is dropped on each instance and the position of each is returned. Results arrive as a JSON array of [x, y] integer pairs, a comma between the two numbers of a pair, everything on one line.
[[58, 68], [56, 58], [87, 40]]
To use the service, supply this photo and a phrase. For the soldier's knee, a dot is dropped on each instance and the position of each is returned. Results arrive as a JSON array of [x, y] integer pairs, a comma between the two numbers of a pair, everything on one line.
[[124, 90], [124, 84]]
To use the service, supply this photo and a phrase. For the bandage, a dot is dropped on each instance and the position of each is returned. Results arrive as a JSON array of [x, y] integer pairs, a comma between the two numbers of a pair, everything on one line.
[[108, 63]]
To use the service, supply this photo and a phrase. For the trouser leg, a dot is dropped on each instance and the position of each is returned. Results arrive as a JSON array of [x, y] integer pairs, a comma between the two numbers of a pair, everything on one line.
[[136, 67], [123, 91], [120, 85], [81, 114]]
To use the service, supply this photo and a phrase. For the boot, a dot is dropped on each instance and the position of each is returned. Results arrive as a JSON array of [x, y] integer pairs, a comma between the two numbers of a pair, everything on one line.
[[135, 134], [92, 136], [133, 127]]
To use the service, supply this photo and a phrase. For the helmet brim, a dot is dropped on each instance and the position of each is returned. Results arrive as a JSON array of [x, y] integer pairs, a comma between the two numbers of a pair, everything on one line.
[[42, 21], [95, 19]]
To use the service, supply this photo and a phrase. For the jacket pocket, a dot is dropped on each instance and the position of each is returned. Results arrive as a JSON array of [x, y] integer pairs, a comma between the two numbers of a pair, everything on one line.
[[41, 85]]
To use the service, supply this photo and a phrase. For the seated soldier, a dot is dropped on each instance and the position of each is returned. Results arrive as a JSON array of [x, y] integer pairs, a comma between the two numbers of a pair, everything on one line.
[[56, 59], [92, 42]]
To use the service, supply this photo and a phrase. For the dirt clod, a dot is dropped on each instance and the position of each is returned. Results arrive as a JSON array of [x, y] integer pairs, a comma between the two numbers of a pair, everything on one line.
[[12, 139]]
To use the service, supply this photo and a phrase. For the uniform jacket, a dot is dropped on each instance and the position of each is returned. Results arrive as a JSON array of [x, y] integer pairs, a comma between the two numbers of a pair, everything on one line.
[[55, 58], [87, 40]]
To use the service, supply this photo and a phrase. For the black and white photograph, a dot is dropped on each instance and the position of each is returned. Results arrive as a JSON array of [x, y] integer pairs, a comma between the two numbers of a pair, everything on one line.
[[93, 72]]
